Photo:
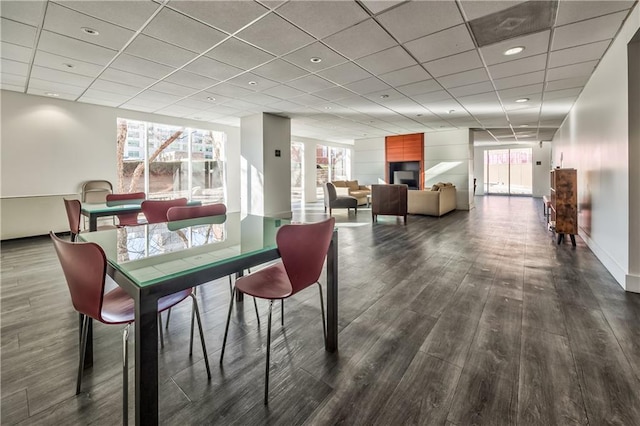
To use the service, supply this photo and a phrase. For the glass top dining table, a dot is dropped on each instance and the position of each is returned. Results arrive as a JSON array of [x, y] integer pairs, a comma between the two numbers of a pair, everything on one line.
[[152, 261]]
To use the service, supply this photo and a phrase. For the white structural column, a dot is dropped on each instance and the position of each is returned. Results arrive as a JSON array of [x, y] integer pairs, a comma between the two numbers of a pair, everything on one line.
[[265, 161], [633, 275], [448, 157]]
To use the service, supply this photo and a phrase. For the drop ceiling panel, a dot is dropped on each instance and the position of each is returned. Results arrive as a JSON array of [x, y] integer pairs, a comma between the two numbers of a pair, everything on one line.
[[275, 35], [388, 60], [519, 80], [260, 99], [345, 73], [189, 79], [283, 92], [302, 57], [228, 16], [15, 52], [320, 20], [589, 31], [573, 11], [99, 97], [49, 74], [27, 12], [128, 78], [154, 96], [61, 63], [534, 44], [177, 111], [75, 49], [229, 90], [310, 83], [568, 71], [377, 6], [360, 40], [280, 71], [475, 9], [14, 67], [444, 43], [405, 76], [246, 81], [464, 78], [60, 92], [472, 89], [564, 93], [114, 87], [239, 54], [454, 64], [56, 87], [567, 83], [128, 14], [141, 66], [110, 36], [155, 50], [17, 33], [413, 20], [175, 28], [427, 98], [173, 89], [419, 87], [334, 93], [573, 55], [368, 85], [519, 66], [208, 67]]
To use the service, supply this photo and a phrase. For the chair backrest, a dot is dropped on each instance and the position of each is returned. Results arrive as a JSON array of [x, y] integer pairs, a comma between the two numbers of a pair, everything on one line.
[[303, 248], [126, 219], [192, 212], [73, 208], [84, 266], [330, 193], [156, 210], [95, 191]]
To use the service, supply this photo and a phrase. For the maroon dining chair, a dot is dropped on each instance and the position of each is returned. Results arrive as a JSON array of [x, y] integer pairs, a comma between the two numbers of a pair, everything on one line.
[[73, 208], [156, 210], [196, 212], [126, 219], [85, 266], [303, 249]]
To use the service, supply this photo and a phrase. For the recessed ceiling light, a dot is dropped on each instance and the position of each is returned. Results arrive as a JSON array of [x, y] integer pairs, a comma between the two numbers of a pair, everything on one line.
[[90, 31], [315, 60], [418, 115], [451, 111], [513, 51], [327, 107], [252, 83], [384, 96], [521, 100], [52, 94], [68, 65], [524, 125], [211, 98]]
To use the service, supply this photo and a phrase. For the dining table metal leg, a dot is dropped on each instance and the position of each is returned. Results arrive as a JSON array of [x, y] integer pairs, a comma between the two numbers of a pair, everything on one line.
[[146, 344], [331, 342]]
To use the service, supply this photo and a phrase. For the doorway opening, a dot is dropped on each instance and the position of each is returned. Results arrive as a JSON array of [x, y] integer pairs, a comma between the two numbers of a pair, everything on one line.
[[508, 171]]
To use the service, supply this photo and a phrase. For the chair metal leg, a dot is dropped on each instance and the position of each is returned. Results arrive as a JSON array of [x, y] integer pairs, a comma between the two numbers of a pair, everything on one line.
[[282, 312], [230, 284], [83, 346], [255, 306], [125, 375], [226, 329], [166, 323], [266, 377], [160, 330], [324, 322], [196, 310]]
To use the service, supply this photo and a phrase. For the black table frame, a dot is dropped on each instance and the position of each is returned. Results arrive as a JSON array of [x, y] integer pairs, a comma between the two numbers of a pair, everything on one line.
[[146, 317]]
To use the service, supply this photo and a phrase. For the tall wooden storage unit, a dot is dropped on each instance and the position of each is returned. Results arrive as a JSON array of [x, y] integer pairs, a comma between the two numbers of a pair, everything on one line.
[[564, 203]]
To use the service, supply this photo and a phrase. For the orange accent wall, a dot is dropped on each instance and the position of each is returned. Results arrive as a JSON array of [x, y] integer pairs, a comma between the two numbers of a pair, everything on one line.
[[405, 148]]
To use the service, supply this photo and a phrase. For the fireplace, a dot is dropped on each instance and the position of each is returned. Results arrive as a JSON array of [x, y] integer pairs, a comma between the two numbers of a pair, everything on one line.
[[405, 172]]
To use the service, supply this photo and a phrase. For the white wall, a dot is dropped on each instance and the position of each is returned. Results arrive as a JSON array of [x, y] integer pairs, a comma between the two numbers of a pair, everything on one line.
[[448, 157], [277, 136], [540, 182], [369, 160], [51, 146], [594, 139]]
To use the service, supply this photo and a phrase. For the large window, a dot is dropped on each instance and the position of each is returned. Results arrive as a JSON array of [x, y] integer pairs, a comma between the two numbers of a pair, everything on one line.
[[508, 171], [170, 162], [331, 164], [297, 172]]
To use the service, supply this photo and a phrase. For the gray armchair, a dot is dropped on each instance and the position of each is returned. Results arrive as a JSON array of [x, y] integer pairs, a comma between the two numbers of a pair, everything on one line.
[[333, 201]]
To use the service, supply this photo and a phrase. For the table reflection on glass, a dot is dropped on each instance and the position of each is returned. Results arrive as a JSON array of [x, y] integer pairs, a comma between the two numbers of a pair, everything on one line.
[[152, 261]]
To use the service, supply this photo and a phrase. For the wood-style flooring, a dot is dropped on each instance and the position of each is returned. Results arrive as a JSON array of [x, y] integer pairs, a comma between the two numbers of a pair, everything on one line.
[[472, 318]]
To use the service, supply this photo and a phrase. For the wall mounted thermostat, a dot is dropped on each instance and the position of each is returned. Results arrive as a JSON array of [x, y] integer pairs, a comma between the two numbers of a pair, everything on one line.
[[277, 153]]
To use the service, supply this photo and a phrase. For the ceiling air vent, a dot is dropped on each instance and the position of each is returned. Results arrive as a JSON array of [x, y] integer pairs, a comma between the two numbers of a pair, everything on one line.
[[524, 18]]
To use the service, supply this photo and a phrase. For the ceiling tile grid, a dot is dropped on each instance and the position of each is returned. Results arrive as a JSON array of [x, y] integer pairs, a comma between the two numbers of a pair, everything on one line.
[[367, 67]]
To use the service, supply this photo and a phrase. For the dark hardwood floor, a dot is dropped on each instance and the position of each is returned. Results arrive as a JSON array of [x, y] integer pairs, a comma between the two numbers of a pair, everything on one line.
[[473, 318]]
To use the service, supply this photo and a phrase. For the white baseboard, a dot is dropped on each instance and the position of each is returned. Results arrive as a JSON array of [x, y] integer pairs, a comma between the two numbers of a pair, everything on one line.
[[633, 283], [612, 266]]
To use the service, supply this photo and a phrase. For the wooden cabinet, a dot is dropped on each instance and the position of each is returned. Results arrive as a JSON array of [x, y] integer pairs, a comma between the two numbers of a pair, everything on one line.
[[404, 149], [564, 203]]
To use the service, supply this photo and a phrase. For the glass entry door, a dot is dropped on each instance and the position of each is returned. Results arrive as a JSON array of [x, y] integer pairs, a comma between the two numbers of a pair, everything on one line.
[[508, 171]]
